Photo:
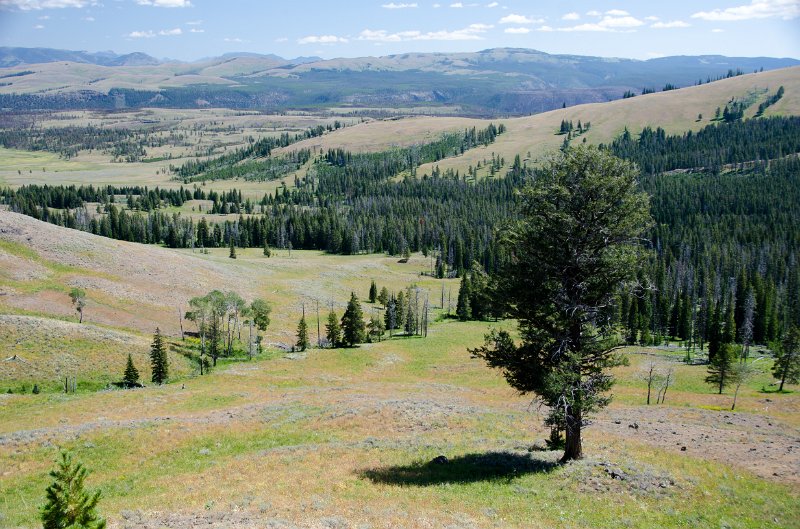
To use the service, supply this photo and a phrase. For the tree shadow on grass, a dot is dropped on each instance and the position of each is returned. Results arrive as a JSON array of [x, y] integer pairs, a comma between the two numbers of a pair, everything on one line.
[[469, 468]]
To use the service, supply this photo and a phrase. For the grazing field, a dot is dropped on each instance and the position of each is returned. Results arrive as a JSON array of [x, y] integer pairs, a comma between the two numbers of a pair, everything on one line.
[[345, 437]]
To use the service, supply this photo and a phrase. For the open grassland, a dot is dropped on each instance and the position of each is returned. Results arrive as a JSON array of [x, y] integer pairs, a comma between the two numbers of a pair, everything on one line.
[[206, 133], [343, 438], [134, 288], [531, 137]]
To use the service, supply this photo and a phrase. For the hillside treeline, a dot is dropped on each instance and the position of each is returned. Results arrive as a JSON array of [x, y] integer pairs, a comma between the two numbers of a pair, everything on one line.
[[724, 244]]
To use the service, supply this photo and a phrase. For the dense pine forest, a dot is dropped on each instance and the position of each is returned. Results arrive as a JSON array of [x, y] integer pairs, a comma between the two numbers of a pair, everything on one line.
[[724, 247]]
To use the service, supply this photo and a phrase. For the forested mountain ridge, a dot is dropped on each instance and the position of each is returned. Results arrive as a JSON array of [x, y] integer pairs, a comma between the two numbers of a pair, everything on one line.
[[494, 81]]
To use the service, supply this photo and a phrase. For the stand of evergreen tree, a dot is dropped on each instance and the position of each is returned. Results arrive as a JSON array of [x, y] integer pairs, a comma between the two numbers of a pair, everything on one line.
[[353, 327], [158, 359], [131, 376]]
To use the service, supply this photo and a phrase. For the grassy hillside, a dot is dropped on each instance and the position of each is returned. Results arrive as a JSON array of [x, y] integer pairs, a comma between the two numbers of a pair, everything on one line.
[[343, 438], [676, 111]]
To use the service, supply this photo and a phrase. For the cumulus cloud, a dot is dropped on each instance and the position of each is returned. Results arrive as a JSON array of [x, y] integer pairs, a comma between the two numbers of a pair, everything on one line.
[[38, 26], [457, 5], [196, 30], [232, 39], [195, 23], [594, 13], [471, 32], [165, 3], [516, 19], [170, 32], [669, 25], [517, 31], [35, 5], [571, 16], [785, 9], [322, 39], [493, 4], [617, 13], [608, 23], [392, 5], [141, 34]]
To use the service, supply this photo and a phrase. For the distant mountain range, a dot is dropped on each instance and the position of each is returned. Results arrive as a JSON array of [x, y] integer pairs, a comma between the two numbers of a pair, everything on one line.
[[494, 81]]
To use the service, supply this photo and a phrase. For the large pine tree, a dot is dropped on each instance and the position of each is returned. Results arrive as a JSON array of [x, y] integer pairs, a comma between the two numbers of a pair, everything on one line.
[[333, 331], [302, 334], [353, 327], [576, 243], [131, 376], [158, 359]]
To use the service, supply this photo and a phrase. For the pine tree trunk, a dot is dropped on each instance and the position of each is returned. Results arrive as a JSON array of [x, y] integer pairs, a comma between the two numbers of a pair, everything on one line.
[[573, 448]]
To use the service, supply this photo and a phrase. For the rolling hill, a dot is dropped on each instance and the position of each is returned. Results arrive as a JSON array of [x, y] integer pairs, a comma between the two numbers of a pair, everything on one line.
[[494, 81]]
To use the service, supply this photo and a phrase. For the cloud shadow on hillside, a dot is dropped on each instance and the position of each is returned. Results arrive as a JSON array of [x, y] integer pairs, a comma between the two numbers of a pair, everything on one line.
[[468, 468]]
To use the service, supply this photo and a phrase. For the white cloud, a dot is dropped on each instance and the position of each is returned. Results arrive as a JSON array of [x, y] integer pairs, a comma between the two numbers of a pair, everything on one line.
[[617, 13], [717, 30], [785, 9], [35, 5], [493, 4], [594, 13], [141, 34], [437, 6], [392, 5], [471, 32], [517, 31], [195, 23], [457, 5], [321, 39], [234, 39], [38, 26], [196, 30], [545, 28], [651, 18], [165, 3], [516, 19], [88, 19], [609, 23], [571, 16], [669, 25], [170, 32]]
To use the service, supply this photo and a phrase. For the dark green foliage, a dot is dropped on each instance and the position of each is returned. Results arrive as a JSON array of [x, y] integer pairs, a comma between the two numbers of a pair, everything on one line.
[[787, 358], [302, 334], [333, 331], [232, 253], [463, 306], [373, 292], [260, 310], [769, 102], [721, 369], [712, 147], [36, 389], [68, 505], [576, 244], [131, 376], [353, 327], [375, 329], [383, 296], [158, 359]]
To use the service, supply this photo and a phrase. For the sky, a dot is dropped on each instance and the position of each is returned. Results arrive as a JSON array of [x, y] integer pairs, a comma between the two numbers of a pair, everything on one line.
[[193, 29]]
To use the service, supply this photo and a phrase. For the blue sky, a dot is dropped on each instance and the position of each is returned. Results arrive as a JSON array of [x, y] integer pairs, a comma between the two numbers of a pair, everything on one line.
[[191, 29]]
